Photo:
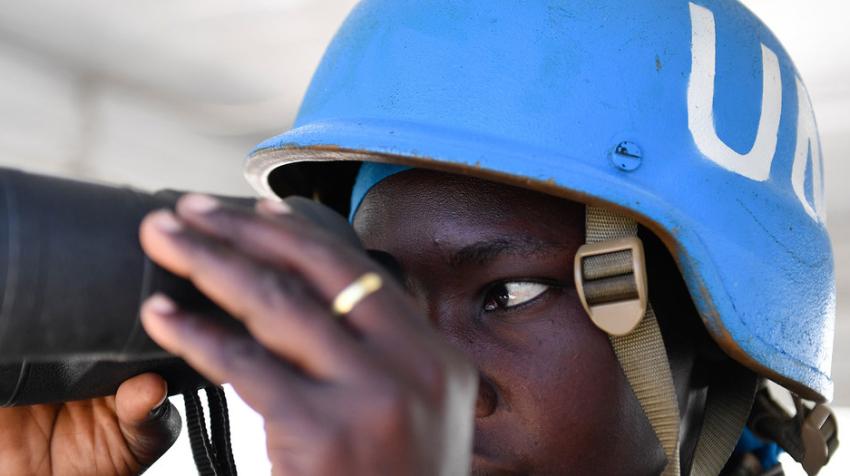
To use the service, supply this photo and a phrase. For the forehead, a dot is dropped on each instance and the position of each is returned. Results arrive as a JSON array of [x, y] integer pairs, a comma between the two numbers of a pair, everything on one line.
[[439, 204]]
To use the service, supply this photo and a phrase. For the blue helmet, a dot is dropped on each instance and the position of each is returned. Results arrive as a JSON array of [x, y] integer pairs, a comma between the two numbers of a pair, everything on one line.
[[687, 116]]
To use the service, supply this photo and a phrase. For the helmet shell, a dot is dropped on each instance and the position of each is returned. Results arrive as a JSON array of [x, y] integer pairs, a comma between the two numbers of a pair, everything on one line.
[[690, 116]]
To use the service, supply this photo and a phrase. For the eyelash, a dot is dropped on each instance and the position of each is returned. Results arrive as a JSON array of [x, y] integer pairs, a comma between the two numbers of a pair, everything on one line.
[[490, 296]]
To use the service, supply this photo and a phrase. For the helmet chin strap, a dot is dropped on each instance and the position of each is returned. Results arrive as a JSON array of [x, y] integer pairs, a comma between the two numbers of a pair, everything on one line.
[[611, 282], [640, 348]]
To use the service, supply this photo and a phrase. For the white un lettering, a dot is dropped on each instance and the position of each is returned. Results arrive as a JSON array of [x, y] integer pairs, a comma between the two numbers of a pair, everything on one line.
[[756, 163]]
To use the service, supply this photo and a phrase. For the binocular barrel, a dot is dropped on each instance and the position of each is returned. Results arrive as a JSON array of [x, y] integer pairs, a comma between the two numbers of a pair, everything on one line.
[[72, 272], [72, 279]]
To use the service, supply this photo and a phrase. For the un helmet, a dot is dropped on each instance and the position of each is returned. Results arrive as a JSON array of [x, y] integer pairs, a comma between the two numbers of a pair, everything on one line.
[[686, 116]]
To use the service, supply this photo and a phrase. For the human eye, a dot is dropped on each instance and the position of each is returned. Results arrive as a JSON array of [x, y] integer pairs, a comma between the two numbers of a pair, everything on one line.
[[510, 294]]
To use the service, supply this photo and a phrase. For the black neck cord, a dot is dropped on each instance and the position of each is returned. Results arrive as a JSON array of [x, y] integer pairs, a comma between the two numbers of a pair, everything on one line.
[[213, 456]]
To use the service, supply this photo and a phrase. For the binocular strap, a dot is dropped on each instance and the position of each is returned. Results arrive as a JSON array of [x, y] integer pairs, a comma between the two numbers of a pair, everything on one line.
[[213, 453]]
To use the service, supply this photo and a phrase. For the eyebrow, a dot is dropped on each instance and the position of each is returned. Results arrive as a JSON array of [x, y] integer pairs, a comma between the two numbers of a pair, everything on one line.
[[481, 252]]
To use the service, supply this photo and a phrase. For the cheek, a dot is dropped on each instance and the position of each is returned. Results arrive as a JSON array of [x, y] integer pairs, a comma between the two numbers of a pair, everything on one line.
[[564, 401]]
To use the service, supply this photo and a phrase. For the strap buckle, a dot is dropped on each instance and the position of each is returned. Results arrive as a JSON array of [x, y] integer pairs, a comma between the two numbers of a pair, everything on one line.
[[810, 436], [611, 282], [820, 438]]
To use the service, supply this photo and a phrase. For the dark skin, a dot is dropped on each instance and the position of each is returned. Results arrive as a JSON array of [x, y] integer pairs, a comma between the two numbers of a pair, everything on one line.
[[483, 355], [116, 435], [553, 399]]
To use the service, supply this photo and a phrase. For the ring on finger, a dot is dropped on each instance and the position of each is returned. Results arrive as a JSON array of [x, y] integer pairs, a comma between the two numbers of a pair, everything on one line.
[[355, 292]]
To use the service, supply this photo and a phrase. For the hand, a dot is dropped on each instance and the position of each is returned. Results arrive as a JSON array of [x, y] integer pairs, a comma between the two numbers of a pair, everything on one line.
[[376, 391], [118, 435]]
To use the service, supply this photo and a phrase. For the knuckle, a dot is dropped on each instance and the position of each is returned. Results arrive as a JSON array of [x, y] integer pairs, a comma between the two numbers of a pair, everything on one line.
[[202, 333], [270, 288], [239, 225], [206, 251], [316, 251], [278, 293], [240, 352]]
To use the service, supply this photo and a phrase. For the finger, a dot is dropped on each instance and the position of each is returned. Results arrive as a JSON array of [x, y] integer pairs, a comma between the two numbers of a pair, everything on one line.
[[278, 308], [383, 317], [148, 421], [221, 355], [292, 242], [272, 208], [139, 396], [319, 257]]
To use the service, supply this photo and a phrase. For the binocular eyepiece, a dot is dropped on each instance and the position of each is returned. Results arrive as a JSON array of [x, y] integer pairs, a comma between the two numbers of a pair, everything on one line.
[[72, 279]]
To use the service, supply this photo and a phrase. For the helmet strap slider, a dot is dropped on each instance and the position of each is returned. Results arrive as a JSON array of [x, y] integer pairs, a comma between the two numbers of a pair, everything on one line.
[[610, 278], [819, 438], [810, 436]]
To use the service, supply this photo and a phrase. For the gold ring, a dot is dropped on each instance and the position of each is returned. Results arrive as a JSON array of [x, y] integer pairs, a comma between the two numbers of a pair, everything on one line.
[[355, 292]]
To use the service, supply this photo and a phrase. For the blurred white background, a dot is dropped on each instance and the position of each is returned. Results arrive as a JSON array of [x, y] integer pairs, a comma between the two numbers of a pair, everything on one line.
[[174, 94]]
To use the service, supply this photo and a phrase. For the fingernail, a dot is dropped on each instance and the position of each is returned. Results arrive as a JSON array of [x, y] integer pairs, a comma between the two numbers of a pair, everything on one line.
[[161, 304], [278, 207], [163, 399], [165, 221], [199, 203], [160, 409]]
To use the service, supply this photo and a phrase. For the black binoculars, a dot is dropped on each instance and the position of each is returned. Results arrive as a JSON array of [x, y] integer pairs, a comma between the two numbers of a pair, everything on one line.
[[72, 279]]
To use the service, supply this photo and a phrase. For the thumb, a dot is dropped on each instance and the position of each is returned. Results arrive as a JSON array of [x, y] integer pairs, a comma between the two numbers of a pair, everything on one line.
[[149, 422]]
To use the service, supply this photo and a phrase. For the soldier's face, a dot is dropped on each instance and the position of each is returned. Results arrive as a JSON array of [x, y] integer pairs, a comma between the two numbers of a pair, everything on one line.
[[492, 264]]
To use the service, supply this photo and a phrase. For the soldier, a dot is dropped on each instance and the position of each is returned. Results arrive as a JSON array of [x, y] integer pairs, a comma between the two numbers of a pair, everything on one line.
[[606, 229]]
